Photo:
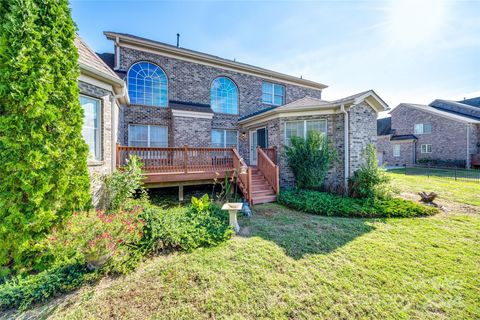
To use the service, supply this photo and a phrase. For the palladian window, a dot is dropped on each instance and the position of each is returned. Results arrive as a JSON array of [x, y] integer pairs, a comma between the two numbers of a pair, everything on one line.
[[224, 96], [147, 85]]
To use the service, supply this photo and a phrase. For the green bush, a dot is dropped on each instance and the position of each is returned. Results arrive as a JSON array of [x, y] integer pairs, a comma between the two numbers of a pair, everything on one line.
[[21, 292], [43, 156], [310, 159], [122, 185], [333, 205], [93, 243], [98, 240], [203, 224], [370, 181]]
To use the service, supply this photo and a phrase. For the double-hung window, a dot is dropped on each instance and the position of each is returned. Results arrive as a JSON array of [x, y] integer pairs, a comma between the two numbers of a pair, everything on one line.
[[92, 125], [426, 148], [147, 136], [273, 93], [423, 128], [303, 128], [396, 150], [224, 138]]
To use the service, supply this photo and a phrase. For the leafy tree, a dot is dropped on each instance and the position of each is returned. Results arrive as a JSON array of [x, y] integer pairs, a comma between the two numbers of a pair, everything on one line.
[[310, 159], [43, 172]]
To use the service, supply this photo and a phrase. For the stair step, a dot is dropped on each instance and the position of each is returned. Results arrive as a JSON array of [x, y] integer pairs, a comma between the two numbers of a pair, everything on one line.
[[259, 187], [263, 199]]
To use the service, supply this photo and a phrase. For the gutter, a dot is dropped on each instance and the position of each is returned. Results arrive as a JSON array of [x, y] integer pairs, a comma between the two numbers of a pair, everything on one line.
[[346, 145], [113, 122], [468, 165]]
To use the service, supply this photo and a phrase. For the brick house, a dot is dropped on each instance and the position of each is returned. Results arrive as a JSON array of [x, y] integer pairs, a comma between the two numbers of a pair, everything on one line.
[[444, 132], [179, 97], [101, 94]]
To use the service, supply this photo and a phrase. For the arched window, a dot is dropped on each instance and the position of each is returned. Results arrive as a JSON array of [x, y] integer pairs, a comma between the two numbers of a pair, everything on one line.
[[224, 96], [147, 85]]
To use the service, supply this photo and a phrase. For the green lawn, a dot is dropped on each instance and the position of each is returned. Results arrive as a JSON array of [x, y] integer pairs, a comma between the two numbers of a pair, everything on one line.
[[292, 265], [467, 192]]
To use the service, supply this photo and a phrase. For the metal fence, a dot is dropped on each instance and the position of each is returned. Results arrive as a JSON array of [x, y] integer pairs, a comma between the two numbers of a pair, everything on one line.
[[457, 174]]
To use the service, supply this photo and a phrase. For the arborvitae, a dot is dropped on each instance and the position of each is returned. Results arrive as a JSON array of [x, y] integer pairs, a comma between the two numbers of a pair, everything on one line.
[[43, 170]]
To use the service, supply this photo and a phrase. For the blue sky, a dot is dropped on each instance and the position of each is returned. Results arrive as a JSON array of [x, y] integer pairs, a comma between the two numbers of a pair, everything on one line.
[[407, 51]]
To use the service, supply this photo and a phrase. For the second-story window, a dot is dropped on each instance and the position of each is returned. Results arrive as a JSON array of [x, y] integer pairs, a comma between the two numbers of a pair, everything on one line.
[[147, 85], [273, 93], [224, 96], [422, 128]]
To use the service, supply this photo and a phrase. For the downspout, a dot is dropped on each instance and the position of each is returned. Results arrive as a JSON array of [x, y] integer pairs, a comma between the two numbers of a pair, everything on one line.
[[114, 128], [347, 143], [467, 164]]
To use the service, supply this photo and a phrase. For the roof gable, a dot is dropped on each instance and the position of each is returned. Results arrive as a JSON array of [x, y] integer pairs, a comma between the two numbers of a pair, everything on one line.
[[89, 58]]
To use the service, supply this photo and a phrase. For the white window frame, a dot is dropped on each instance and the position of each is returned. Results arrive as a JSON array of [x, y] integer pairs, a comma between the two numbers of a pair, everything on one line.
[[422, 130], [98, 141], [148, 133], [427, 147], [273, 93], [396, 150], [304, 127], [225, 137]]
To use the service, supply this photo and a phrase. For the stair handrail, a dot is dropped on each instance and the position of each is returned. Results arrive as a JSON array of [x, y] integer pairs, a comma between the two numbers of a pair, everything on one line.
[[269, 170], [244, 175]]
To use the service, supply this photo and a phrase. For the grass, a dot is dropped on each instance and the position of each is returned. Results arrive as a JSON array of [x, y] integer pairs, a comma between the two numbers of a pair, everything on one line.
[[467, 192], [289, 265]]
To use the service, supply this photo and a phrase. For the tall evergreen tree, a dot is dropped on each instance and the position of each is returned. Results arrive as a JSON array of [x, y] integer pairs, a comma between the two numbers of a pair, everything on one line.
[[43, 171]]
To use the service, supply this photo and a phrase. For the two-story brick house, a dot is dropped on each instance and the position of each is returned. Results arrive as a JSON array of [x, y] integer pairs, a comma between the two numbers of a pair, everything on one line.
[[179, 97], [445, 132]]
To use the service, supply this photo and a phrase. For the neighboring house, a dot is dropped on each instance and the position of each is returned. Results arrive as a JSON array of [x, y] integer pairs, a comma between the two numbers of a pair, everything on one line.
[[101, 93], [179, 97], [443, 132]]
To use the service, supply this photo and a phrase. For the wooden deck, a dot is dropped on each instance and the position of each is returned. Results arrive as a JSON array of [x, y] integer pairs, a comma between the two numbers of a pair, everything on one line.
[[192, 166]]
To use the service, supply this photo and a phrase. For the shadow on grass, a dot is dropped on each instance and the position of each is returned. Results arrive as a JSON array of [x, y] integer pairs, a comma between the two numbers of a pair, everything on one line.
[[301, 234]]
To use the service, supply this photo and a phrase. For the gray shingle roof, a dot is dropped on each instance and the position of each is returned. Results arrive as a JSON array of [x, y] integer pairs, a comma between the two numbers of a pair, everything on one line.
[[89, 58], [190, 106], [474, 102]]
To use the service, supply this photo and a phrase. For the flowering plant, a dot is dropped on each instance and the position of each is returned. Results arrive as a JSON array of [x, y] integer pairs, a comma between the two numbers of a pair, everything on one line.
[[99, 239]]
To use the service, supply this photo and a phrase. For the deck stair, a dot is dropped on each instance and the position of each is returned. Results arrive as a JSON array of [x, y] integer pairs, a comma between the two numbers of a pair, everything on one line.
[[262, 191]]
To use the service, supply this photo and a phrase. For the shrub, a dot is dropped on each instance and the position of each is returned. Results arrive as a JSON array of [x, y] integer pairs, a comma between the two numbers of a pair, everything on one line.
[[97, 240], [122, 185], [43, 156], [370, 181], [310, 159], [21, 292], [203, 224], [333, 205]]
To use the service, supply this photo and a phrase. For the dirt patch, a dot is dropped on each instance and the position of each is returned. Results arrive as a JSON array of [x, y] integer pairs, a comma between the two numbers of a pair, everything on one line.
[[445, 205]]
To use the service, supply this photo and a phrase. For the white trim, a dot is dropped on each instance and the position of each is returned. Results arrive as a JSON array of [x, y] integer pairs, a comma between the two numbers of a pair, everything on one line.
[[304, 127], [426, 147], [252, 152], [148, 132], [192, 114], [396, 150], [267, 116], [204, 59], [224, 135], [100, 128]]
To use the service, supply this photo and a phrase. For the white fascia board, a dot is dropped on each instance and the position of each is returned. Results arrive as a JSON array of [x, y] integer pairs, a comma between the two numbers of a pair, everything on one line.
[[274, 114], [192, 114]]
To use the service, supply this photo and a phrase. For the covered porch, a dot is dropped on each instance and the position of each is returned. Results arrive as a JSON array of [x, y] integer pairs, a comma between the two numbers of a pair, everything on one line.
[[186, 165]]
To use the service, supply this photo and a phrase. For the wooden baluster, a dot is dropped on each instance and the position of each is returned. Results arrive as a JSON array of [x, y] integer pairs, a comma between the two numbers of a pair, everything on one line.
[[185, 158]]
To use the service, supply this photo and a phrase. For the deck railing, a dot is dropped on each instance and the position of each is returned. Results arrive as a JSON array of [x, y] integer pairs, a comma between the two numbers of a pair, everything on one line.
[[244, 175], [271, 153], [269, 169], [179, 160]]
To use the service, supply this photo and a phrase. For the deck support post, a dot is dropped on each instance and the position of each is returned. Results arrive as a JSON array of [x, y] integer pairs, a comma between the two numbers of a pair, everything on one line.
[[180, 193]]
